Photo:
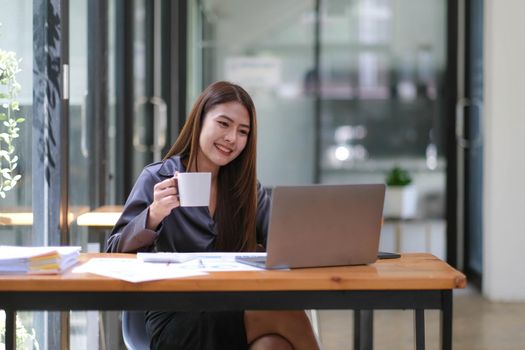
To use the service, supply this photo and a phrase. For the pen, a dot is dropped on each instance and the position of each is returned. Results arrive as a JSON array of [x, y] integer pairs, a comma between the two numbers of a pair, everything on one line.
[[201, 264]]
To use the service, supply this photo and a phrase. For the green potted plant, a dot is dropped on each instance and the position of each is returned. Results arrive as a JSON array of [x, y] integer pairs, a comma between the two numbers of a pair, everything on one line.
[[9, 129], [401, 195]]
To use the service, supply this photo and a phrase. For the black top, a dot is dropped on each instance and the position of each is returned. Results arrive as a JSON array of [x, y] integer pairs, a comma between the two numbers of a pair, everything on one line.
[[185, 229]]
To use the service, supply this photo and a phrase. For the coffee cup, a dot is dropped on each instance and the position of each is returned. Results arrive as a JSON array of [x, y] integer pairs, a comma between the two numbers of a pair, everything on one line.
[[194, 189]]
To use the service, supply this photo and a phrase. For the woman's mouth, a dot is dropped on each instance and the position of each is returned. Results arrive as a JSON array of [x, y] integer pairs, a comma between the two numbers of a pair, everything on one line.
[[224, 150]]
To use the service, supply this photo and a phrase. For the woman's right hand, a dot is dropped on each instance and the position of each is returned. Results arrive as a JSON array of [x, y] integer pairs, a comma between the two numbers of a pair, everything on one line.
[[165, 199]]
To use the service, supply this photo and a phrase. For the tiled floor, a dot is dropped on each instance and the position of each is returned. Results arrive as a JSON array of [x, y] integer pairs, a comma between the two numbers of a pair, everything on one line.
[[478, 325]]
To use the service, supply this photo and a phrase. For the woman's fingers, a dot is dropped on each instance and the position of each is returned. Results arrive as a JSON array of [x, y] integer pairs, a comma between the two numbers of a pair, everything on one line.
[[164, 188], [168, 183], [165, 199], [170, 201], [169, 191], [165, 196]]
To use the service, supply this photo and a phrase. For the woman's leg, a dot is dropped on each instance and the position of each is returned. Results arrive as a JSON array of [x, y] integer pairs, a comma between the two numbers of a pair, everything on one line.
[[293, 326]]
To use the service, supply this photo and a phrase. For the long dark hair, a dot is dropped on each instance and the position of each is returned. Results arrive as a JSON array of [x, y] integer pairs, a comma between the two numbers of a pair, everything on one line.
[[237, 181]]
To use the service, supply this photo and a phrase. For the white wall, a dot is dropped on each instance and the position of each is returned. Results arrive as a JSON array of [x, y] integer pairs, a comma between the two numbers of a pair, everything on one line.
[[504, 168]]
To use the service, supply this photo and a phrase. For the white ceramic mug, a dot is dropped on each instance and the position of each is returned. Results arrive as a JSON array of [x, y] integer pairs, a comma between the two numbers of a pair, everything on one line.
[[194, 189]]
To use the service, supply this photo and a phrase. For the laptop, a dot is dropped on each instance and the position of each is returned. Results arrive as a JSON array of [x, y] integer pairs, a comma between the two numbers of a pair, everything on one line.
[[322, 225]]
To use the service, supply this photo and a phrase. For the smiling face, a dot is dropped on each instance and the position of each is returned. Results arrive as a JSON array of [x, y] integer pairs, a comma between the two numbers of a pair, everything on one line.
[[224, 134]]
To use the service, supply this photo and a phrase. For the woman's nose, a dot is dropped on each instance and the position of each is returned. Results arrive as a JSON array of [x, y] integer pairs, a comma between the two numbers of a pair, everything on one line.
[[230, 136]]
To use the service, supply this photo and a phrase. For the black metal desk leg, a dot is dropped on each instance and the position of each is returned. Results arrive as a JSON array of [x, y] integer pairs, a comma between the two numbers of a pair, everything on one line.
[[446, 320], [419, 323], [363, 329], [10, 330]]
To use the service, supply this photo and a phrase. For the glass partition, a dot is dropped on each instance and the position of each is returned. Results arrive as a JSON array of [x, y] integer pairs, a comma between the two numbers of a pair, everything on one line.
[[268, 48], [16, 100], [382, 92], [382, 106], [379, 103], [83, 325]]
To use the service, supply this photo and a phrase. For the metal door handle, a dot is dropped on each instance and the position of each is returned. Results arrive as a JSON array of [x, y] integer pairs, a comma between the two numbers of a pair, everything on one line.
[[461, 105], [160, 126], [84, 149]]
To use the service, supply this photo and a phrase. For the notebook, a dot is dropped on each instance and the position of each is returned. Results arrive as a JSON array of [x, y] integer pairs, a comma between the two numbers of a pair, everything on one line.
[[323, 225]]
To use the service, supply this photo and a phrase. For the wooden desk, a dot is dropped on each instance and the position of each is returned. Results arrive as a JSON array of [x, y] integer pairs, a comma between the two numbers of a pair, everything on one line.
[[24, 216], [416, 281], [16, 219], [103, 217], [99, 222]]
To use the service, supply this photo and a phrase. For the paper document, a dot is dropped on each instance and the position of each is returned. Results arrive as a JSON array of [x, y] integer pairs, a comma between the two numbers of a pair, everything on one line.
[[133, 270], [37, 260], [208, 262], [165, 257]]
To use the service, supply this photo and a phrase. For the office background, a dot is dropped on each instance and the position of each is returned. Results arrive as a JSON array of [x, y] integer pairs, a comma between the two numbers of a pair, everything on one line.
[[344, 91]]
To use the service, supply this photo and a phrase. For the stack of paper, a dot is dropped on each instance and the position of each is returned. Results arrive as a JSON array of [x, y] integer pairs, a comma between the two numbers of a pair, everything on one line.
[[37, 260]]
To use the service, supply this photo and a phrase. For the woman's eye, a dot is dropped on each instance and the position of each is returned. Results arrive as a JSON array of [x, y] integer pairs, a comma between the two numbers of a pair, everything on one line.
[[244, 132], [223, 124]]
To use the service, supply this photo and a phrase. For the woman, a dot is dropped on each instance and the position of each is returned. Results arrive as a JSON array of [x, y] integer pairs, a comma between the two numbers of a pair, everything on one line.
[[219, 137]]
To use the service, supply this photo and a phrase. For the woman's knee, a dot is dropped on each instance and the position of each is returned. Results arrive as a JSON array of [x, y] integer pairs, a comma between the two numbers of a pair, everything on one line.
[[271, 342], [293, 326], [290, 324]]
